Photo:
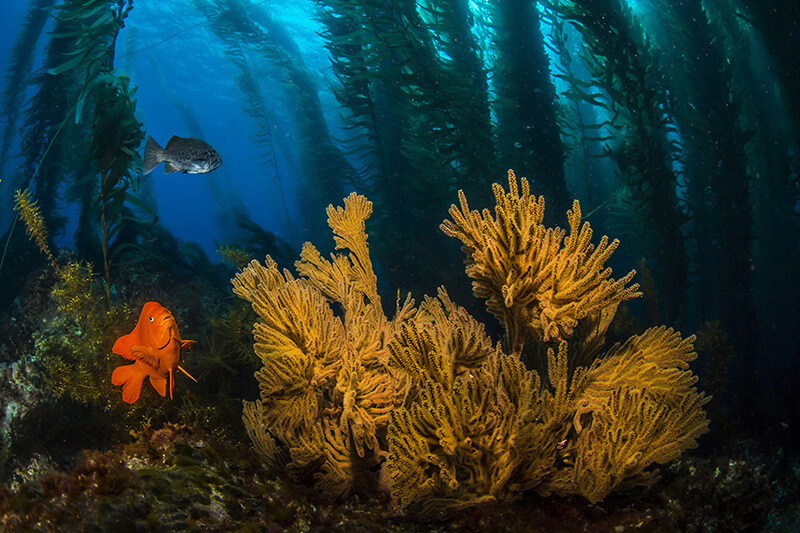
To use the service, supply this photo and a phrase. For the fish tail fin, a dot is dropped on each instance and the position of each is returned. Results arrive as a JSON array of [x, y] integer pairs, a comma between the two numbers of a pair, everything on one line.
[[131, 382], [153, 155]]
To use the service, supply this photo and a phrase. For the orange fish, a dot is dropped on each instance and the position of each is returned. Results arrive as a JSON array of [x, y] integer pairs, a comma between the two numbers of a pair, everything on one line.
[[155, 347]]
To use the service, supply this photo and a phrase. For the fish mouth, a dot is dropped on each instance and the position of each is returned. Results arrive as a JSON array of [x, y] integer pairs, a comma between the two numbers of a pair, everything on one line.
[[168, 323], [166, 343]]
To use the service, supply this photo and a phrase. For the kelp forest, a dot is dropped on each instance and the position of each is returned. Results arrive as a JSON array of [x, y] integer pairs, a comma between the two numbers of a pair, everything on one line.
[[460, 341]]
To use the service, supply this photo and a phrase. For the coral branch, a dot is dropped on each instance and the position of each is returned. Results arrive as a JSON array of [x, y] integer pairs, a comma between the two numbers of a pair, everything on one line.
[[538, 283], [326, 392]]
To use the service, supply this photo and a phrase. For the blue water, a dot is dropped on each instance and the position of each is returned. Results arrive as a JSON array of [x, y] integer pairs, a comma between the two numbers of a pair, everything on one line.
[[196, 75], [179, 68]]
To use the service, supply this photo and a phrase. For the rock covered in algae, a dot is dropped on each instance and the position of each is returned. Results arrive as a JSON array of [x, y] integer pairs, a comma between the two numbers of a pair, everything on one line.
[[18, 395], [177, 478], [173, 478]]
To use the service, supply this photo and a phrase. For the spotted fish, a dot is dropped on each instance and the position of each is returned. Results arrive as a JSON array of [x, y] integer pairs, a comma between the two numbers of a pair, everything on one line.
[[192, 156]]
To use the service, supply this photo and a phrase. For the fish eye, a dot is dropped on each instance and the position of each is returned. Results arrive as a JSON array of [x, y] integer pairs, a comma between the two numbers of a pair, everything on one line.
[[151, 319]]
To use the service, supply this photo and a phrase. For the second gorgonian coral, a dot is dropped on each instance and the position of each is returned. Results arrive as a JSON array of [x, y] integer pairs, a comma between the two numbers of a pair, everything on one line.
[[427, 407], [539, 282]]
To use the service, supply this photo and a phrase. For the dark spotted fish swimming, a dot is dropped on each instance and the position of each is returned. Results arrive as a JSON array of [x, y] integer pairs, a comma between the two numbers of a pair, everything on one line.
[[192, 156]]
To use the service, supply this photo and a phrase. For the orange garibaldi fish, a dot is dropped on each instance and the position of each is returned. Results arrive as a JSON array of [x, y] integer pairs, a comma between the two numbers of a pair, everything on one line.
[[155, 347]]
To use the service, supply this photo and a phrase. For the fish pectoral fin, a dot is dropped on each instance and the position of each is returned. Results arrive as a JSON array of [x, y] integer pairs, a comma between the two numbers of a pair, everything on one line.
[[123, 344], [146, 355], [187, 344], [170, 168]]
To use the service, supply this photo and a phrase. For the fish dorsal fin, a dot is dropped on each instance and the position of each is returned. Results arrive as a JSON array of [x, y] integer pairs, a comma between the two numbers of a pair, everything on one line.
[[173, 141], [169, 168], [124, 344]]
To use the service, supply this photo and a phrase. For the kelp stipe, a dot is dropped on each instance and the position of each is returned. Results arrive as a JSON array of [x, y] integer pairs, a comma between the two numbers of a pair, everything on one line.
[[117, 135], [416, 96], [245, 41], [22, 56], [528, 132], [270, 40], [767, 116], [617, 44], [777, 25], [85, 35], [711, 114], [255, 105], [106, 109], [84, 85]]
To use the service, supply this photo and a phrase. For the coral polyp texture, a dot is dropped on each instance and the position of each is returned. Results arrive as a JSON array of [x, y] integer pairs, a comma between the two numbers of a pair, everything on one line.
[[425, 406], [326, 391], [537, 281]]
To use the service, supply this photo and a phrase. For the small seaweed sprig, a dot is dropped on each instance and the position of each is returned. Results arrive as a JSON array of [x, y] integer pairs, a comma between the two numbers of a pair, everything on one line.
[[74, 290], [234, 255], [29, 212]]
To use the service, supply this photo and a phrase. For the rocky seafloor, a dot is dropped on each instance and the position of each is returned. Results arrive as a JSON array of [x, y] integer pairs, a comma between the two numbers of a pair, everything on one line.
[[176, 478]]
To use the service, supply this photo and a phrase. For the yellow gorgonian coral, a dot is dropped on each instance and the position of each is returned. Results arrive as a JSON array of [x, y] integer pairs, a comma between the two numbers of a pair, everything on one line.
[[635, 406], [427, 399], [539, 282], [326, 392], [471, 434], [439, 342]]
